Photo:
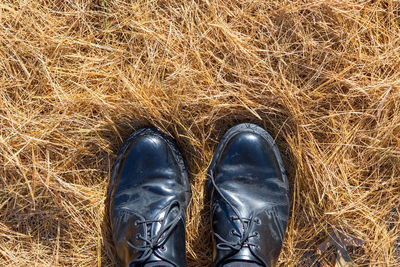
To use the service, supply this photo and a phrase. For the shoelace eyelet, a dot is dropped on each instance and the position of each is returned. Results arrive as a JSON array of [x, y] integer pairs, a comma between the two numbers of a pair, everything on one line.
[[152, 240], [257, 235]]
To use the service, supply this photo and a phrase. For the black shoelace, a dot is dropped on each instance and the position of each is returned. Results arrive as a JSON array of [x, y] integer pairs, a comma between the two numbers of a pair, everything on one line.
[[244, 235], [245, 229], [157, 241]]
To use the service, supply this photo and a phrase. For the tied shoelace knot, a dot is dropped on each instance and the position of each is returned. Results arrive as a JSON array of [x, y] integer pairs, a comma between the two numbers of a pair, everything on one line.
[[244, 235], [152, 242]]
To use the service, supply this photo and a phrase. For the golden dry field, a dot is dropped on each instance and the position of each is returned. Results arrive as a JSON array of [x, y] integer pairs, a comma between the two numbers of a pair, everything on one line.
[[78, 76]]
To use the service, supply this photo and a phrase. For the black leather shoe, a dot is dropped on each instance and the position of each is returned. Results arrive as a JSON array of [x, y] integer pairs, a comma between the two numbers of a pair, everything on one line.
[[148, 197], [248, 189]]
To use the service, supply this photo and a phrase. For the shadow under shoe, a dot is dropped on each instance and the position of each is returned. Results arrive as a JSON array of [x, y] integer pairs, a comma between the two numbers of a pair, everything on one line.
[[148, 198], [249, 194]]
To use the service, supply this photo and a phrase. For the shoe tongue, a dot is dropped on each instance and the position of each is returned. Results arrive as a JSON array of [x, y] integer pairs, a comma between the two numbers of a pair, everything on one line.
[[244, 254], [158, 264], [241, 264]]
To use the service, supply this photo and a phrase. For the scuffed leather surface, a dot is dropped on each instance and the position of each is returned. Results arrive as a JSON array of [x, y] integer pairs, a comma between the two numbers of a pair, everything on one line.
[[148, 176], [249, 172]]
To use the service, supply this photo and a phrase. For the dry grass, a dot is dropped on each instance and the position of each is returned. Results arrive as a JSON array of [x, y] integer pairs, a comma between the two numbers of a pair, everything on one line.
[[78, 76]]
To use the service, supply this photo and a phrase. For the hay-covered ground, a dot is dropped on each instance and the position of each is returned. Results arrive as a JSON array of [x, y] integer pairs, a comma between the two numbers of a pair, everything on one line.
[[78, 76]]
